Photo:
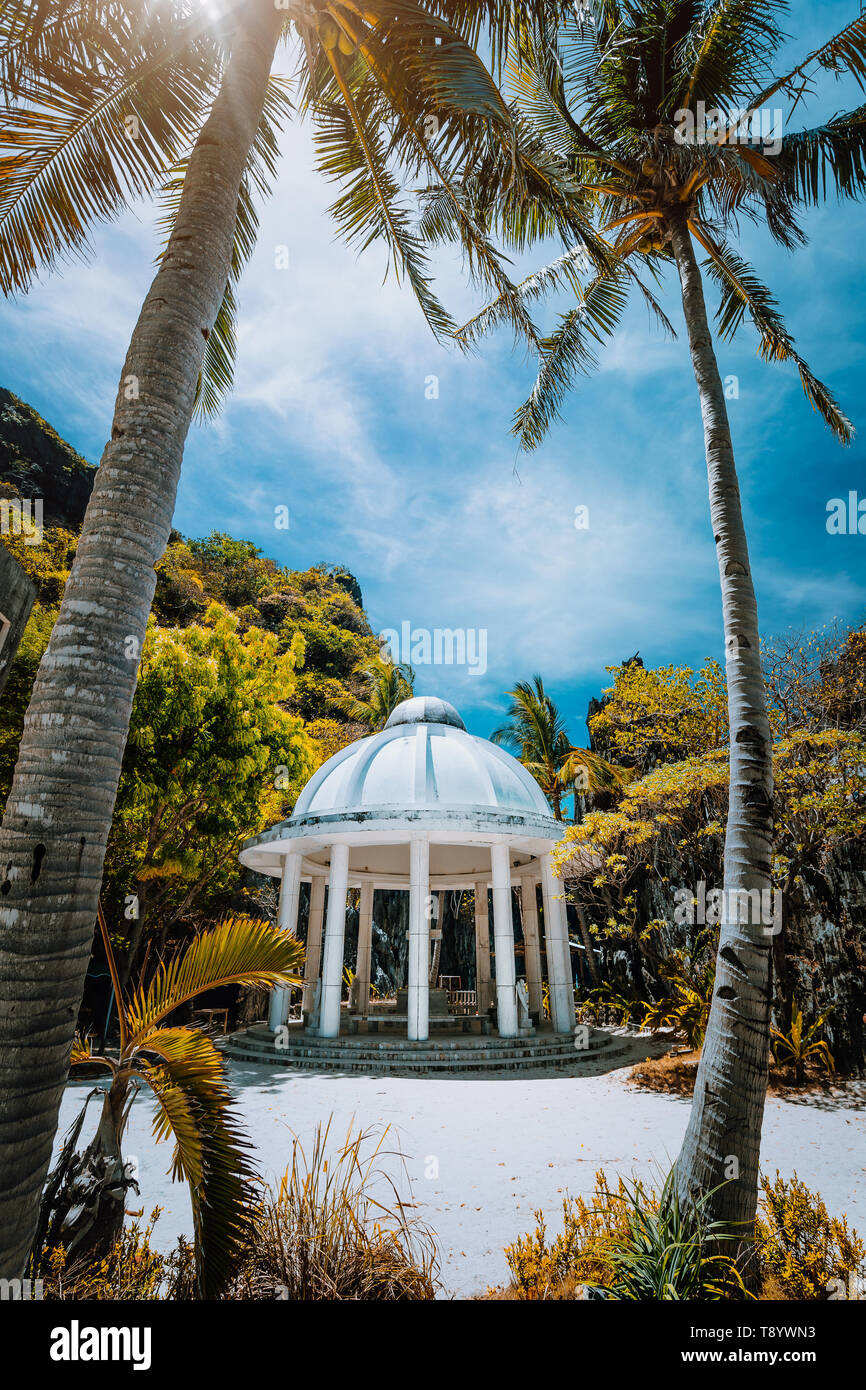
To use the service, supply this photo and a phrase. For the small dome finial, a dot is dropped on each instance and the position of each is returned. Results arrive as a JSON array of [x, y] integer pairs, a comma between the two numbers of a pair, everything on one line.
[[425, 709]]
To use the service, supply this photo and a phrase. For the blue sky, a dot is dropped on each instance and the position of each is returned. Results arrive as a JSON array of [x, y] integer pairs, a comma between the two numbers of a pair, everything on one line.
[[426, 500]]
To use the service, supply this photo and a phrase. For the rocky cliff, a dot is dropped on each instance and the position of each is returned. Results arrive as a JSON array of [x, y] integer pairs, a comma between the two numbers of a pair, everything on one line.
[[38, 463]]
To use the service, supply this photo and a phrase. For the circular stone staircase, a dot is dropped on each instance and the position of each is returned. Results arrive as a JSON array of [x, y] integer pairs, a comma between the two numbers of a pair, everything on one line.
[[480, 1056]]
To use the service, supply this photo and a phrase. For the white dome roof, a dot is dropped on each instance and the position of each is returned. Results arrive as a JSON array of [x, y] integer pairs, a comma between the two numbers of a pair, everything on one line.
[[423, 759]]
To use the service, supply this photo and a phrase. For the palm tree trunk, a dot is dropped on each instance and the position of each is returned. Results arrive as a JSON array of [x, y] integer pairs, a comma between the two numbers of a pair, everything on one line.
[[52, 842], [585, 937], [723, 1138]]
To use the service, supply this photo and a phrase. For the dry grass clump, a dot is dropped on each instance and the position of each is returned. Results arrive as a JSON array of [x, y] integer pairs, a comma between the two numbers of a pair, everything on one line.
[[337, 1229], [673, 1074]]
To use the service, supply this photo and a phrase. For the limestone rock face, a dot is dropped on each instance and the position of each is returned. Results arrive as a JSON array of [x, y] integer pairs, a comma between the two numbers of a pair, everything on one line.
[[820, 955], [38, 463]]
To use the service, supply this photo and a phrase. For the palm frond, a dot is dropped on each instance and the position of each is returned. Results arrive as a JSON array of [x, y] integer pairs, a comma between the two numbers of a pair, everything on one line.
[[76, 151], [582, 764], [844, 53], [743, 292], [81, 1056], [196, 1108], [830, 155], [241, 951], [569, 351], [352, 151]]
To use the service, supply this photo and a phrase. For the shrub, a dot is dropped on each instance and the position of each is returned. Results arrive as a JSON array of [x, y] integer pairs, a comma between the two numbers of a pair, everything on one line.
[[554, 1269], [631, 1243], [803, 1252], [132, 1269], [335, 1229], [637, 1243]]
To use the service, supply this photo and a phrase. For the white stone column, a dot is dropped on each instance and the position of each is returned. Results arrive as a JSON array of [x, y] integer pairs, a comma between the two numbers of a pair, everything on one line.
[[313, 955], [503, 936], [290, 892], [531, 944], [365, 946], [335, 935], [558, 954], [418, 993], [483, 992]]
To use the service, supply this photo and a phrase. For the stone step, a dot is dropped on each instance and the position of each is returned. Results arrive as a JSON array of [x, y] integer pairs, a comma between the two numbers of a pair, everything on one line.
[[323, 1047], [259, 1035], [481, 1055], [488, 1066]]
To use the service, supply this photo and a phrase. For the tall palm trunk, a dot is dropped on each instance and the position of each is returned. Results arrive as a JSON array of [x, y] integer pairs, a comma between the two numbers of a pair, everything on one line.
[[724, 1133], [589, 949], [52, 842]]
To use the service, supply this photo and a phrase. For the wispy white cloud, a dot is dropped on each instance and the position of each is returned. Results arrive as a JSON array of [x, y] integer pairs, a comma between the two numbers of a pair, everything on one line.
[[425, 499]]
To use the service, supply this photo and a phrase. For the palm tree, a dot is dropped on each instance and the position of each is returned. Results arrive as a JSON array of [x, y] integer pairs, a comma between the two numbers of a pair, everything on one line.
[[536, 733], [372, 74], [389, 682], [611, 95], [584, 771], [83, 1204]]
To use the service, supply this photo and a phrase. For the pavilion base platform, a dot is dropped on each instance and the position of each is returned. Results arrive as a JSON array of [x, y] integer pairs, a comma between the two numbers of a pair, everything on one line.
[[450, 1053]]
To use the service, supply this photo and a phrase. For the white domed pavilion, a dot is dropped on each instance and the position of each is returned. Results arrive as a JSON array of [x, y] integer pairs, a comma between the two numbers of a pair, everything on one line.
[[424, 806]]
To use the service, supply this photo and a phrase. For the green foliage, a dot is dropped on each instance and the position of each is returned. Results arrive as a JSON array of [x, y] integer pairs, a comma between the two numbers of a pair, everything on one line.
[[637, 1243], [322, 604], [535, 732], [820, 783], [687, 801], [689, 976], [820, 796], [217, 748], [131, 1269], [16, 692], [48, 563], [388, 683], [816, 680], [187, 1078], [335, 1229], [620, 861], [669, 1250], [607, 1002], [213, 756], [600, 99]]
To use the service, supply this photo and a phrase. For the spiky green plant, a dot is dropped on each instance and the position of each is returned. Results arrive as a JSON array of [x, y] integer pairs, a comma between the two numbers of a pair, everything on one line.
[[669, 1250], [802, 1042]]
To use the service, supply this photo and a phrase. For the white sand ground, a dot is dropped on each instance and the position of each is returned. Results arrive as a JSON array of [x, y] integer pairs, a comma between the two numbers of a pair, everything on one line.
[[500, 1149]]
